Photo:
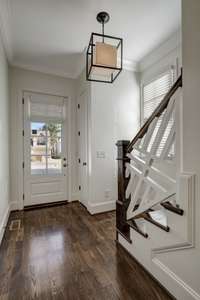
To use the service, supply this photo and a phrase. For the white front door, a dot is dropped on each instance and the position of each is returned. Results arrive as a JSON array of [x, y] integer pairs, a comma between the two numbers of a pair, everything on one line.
[[45, 149], [83, 147]]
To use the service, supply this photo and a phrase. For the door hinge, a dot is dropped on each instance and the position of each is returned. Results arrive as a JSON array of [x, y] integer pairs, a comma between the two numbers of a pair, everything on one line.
[[79, 133], [22, 132], [22, 100], [79, 187], [78, 106], [79, 160], [23, 165], [23, 197]]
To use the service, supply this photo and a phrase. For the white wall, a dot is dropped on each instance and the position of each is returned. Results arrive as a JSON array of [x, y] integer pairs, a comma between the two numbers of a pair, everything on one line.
[[4, 138], [38, 82], [114, 116], [162, 58], [186, 264], [177, 266]]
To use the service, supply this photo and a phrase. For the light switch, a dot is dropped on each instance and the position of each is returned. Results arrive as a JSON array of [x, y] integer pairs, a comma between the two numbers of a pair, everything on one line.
[[101, 154]]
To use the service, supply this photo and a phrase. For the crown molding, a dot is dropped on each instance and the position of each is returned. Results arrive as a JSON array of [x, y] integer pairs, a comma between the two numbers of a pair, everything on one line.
[[164, 49], [44, 70], [5, 28], [130, 65]]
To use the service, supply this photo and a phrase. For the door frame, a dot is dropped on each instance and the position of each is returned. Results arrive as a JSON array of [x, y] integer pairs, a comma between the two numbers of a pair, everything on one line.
[[68, 178], [84, 91]]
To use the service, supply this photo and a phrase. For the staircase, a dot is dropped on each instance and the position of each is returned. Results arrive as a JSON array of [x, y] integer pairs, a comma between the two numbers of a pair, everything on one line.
[[155, 206]]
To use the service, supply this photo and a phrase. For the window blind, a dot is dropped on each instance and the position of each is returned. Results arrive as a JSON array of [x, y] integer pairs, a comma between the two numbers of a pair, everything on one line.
[[153, 94], [46, 108]]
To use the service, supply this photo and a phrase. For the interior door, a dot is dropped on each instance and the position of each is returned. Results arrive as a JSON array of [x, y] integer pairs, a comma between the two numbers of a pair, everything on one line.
[[45, 149], [83, 148]]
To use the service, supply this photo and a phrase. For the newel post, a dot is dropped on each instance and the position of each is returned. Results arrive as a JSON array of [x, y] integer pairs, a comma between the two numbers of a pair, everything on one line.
[[122, 202]]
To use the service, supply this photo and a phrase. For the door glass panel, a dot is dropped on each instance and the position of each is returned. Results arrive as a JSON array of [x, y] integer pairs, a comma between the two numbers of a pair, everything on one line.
[[46, 148], [38, 165], [54, 165]]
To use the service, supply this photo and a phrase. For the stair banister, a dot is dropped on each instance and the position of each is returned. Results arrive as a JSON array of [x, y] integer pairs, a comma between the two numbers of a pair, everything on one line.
[[157, 112], [124, 158]]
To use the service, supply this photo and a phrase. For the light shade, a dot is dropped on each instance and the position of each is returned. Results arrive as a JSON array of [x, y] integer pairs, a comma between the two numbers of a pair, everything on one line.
[[104, 58]]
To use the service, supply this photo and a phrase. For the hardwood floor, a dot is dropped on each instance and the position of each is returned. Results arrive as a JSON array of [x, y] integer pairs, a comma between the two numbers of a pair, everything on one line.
[[64, 253]]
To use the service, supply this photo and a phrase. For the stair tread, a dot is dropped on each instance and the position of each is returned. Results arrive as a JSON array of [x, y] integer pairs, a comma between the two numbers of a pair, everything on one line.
[[159, 216], [169, 206], [132, 223], [157, 223]]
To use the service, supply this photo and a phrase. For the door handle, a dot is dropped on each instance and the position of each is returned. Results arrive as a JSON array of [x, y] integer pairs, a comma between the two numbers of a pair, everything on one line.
[[64, 165], [84, 164]]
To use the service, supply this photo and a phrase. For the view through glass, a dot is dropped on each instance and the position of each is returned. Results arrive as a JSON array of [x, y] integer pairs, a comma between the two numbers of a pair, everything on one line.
[[46, 148]]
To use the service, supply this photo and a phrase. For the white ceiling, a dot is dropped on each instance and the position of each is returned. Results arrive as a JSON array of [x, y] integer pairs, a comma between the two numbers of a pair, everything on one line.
[[51, 35]]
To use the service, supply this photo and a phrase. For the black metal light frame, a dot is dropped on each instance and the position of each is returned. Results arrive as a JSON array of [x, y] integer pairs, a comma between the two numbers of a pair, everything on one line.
[[90, 52]]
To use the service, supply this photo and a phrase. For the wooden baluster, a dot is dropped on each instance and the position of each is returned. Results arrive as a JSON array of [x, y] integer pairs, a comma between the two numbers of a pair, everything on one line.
[[122, 202]]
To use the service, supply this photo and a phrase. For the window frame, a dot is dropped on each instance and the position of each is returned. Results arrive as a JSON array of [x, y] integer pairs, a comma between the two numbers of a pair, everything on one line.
[[149, 80]]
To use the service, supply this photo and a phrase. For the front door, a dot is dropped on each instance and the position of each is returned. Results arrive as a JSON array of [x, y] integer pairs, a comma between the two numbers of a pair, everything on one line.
[[45, 149]]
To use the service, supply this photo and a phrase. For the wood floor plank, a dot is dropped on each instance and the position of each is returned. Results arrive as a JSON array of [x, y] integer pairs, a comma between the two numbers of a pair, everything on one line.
[[63, 253]]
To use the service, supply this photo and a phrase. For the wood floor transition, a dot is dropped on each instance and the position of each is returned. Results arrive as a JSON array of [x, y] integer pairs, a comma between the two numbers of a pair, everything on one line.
[[64, 253]]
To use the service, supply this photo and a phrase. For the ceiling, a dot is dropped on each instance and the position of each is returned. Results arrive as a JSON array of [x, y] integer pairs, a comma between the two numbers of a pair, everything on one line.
[[51, 35]]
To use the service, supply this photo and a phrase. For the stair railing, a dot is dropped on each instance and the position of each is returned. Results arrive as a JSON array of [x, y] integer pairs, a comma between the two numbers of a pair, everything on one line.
[[141, 185]]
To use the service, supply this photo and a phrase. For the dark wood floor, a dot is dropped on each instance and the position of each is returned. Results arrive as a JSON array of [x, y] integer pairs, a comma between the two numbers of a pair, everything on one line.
[[64, 253]]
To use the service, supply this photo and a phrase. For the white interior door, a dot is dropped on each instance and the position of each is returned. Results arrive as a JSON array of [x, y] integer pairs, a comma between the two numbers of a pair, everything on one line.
[[45, 149], [83, 147]]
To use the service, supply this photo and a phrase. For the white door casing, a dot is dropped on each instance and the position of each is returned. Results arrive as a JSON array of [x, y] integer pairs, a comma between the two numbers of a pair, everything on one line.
[[83, 147], [45, 175]]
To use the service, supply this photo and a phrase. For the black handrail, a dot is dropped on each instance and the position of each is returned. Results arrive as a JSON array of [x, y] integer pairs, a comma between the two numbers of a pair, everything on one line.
[[157, 112]]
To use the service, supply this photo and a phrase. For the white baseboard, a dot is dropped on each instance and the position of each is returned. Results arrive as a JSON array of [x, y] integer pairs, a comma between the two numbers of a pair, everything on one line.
[[75, 196], [4, 223], [101, 207], [174, 283], [15, 205]]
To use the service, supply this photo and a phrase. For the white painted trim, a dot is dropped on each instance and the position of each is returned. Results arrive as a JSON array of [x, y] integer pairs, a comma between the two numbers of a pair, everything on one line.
[[187, 193], [5, 29], [20, 205], [44, 70], [177, 280], [161, 51], [15, 205], [4, 223], [101, 207], [69, 149], [130, 65], [75, 196], [127, 65]]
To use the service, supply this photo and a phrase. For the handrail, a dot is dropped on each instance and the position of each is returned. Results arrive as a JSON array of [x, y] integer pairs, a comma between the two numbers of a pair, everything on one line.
[[157, 112]]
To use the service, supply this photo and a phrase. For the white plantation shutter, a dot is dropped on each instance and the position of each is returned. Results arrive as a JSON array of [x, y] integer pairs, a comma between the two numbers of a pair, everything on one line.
[[153, 94]]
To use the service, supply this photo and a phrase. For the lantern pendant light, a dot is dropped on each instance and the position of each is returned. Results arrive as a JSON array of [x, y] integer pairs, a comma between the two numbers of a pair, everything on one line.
[[104, 56]]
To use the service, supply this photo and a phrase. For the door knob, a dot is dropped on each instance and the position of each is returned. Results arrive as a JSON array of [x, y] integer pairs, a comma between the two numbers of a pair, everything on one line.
[[64, 159], [64, 165], [84, 164]]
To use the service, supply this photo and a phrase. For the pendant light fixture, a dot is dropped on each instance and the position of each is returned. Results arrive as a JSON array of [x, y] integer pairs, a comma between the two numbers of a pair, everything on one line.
[[104, 54]]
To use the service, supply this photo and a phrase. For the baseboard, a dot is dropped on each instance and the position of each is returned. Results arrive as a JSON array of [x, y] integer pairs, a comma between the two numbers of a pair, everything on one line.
[[4, 223], [146, 270], [45, 205], [75, 196], [101, 207], [15, 205], [174, 282]]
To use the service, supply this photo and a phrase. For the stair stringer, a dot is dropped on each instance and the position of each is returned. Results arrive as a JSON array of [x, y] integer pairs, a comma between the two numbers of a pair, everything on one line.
[[157, 260]]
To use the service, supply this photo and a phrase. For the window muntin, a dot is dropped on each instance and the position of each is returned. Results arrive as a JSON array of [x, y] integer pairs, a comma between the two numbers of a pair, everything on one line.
[[46, 148]]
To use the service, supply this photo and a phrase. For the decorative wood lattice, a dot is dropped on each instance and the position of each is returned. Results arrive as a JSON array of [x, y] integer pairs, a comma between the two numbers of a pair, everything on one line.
[[148, 184]]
